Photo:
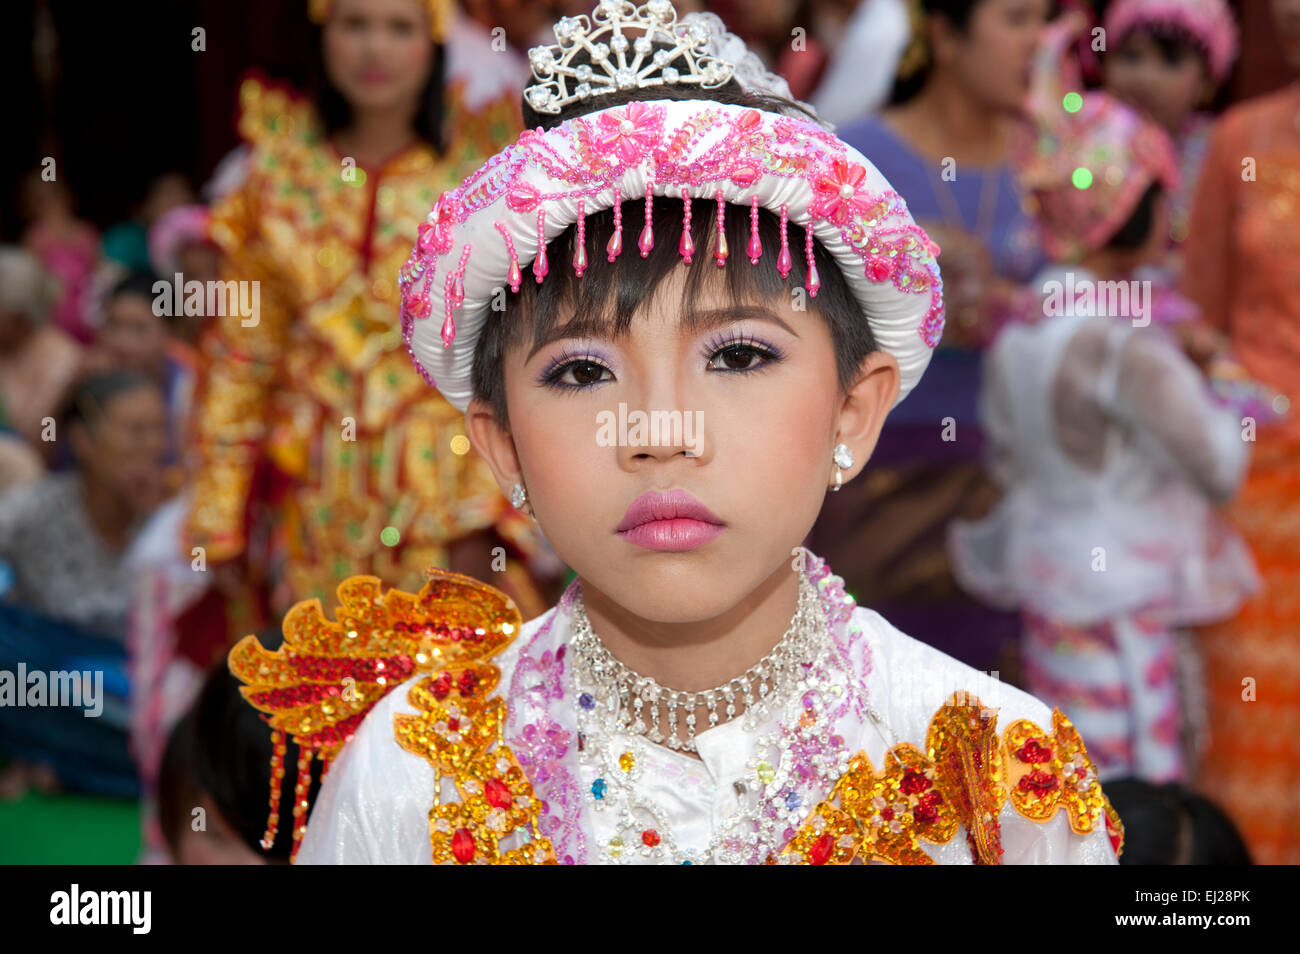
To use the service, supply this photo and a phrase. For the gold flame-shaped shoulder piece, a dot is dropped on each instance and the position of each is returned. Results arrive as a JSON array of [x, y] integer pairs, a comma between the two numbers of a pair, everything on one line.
[[963, 778], [320, 684]]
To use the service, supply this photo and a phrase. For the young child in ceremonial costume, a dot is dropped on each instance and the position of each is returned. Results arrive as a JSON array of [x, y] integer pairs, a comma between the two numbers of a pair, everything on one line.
[[705, 691], [1168, 58]]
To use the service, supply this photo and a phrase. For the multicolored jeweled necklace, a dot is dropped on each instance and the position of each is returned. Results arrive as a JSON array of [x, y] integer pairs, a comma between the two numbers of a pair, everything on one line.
[[798, 759]]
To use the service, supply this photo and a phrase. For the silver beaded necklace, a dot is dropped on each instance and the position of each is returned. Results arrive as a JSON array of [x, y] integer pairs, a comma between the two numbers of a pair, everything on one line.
[[614, 763], [641, 699]]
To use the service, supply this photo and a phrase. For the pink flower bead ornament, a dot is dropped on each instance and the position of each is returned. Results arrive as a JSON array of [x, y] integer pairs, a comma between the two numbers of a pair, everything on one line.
[[628, 133]]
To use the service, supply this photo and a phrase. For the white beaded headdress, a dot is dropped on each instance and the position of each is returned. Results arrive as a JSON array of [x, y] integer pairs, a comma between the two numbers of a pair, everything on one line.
[[481, 235]]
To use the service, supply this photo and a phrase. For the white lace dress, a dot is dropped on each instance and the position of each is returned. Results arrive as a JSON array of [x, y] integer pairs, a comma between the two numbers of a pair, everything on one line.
[[1112, 453]]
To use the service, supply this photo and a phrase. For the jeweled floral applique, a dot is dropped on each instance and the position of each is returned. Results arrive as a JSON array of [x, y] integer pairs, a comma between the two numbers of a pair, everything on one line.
[[963, 778]]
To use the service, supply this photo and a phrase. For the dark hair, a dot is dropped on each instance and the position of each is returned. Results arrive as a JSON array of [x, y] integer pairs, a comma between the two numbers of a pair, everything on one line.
[[335, 111], [91, 396], [958, 14], [222, 749], [177, 791], [1170, 824], [1135, 231], [135, 283], [608, 295], [1173, 41]]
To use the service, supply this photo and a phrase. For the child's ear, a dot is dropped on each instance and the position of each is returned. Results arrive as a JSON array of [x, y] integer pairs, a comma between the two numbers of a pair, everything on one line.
[[866, 405], [494, 443]]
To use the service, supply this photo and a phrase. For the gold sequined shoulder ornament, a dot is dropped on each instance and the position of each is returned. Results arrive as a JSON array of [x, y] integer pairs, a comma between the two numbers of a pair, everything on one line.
[[329, 674], [963, 777]]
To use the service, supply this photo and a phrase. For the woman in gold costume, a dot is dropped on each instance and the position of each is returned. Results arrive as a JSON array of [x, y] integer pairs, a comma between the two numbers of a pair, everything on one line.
[[320, 453]]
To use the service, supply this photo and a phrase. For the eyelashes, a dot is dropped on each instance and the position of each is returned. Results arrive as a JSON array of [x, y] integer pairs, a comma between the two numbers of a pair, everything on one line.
[[583, 362], [579, 370], [741, 345]]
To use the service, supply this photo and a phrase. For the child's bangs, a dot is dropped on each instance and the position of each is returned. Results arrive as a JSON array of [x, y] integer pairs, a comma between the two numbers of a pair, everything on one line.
[[609, 295], [1174, 41]]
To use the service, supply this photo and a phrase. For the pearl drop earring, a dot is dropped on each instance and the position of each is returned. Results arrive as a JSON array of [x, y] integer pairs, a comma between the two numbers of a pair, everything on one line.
[[843, 459]]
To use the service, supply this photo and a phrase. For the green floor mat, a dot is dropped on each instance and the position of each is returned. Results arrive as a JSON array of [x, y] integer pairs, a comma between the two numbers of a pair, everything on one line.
[[69, 830]]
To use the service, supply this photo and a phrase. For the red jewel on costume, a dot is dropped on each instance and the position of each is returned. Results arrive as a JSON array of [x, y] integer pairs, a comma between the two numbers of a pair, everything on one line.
[[497, 793], [913, 783], [1040, 782], [820, 853], [463, 846], [1033, 752], [442, 685]]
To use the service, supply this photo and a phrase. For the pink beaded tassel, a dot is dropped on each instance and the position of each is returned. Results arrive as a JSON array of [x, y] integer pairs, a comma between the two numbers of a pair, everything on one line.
[[458, 280], [514, 276], [647, 240], [686, 247], [448, 319], [615, 244], [755, 246], [580, 256], [720, 247], [454, 296], [783, 261], [540, 268], [812, 281]]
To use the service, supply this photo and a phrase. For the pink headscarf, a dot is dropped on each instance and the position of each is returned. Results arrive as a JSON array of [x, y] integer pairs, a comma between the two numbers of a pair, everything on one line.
[[1209, 21], [181, 226]]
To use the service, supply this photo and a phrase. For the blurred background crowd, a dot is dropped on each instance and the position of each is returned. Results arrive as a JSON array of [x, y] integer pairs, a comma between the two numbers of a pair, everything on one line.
[[1103, 512]]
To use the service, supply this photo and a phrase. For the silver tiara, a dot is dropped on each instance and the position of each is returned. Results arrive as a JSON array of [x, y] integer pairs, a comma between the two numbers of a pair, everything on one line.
[[620, 63]]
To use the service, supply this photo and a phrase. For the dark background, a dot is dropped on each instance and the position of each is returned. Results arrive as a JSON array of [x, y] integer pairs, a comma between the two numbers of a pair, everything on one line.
[[127, 98]]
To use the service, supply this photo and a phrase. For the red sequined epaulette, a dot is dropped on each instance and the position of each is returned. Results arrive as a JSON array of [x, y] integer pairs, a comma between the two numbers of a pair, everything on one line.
[[328, 675], [962, 779]]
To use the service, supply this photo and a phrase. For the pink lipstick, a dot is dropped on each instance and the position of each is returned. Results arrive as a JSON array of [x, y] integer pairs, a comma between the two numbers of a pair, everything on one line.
[[669, 521]]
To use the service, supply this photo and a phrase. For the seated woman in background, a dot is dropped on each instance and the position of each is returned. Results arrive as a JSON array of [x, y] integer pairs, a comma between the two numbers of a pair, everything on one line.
[[38, 361], [65, 535], [64, 538]]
